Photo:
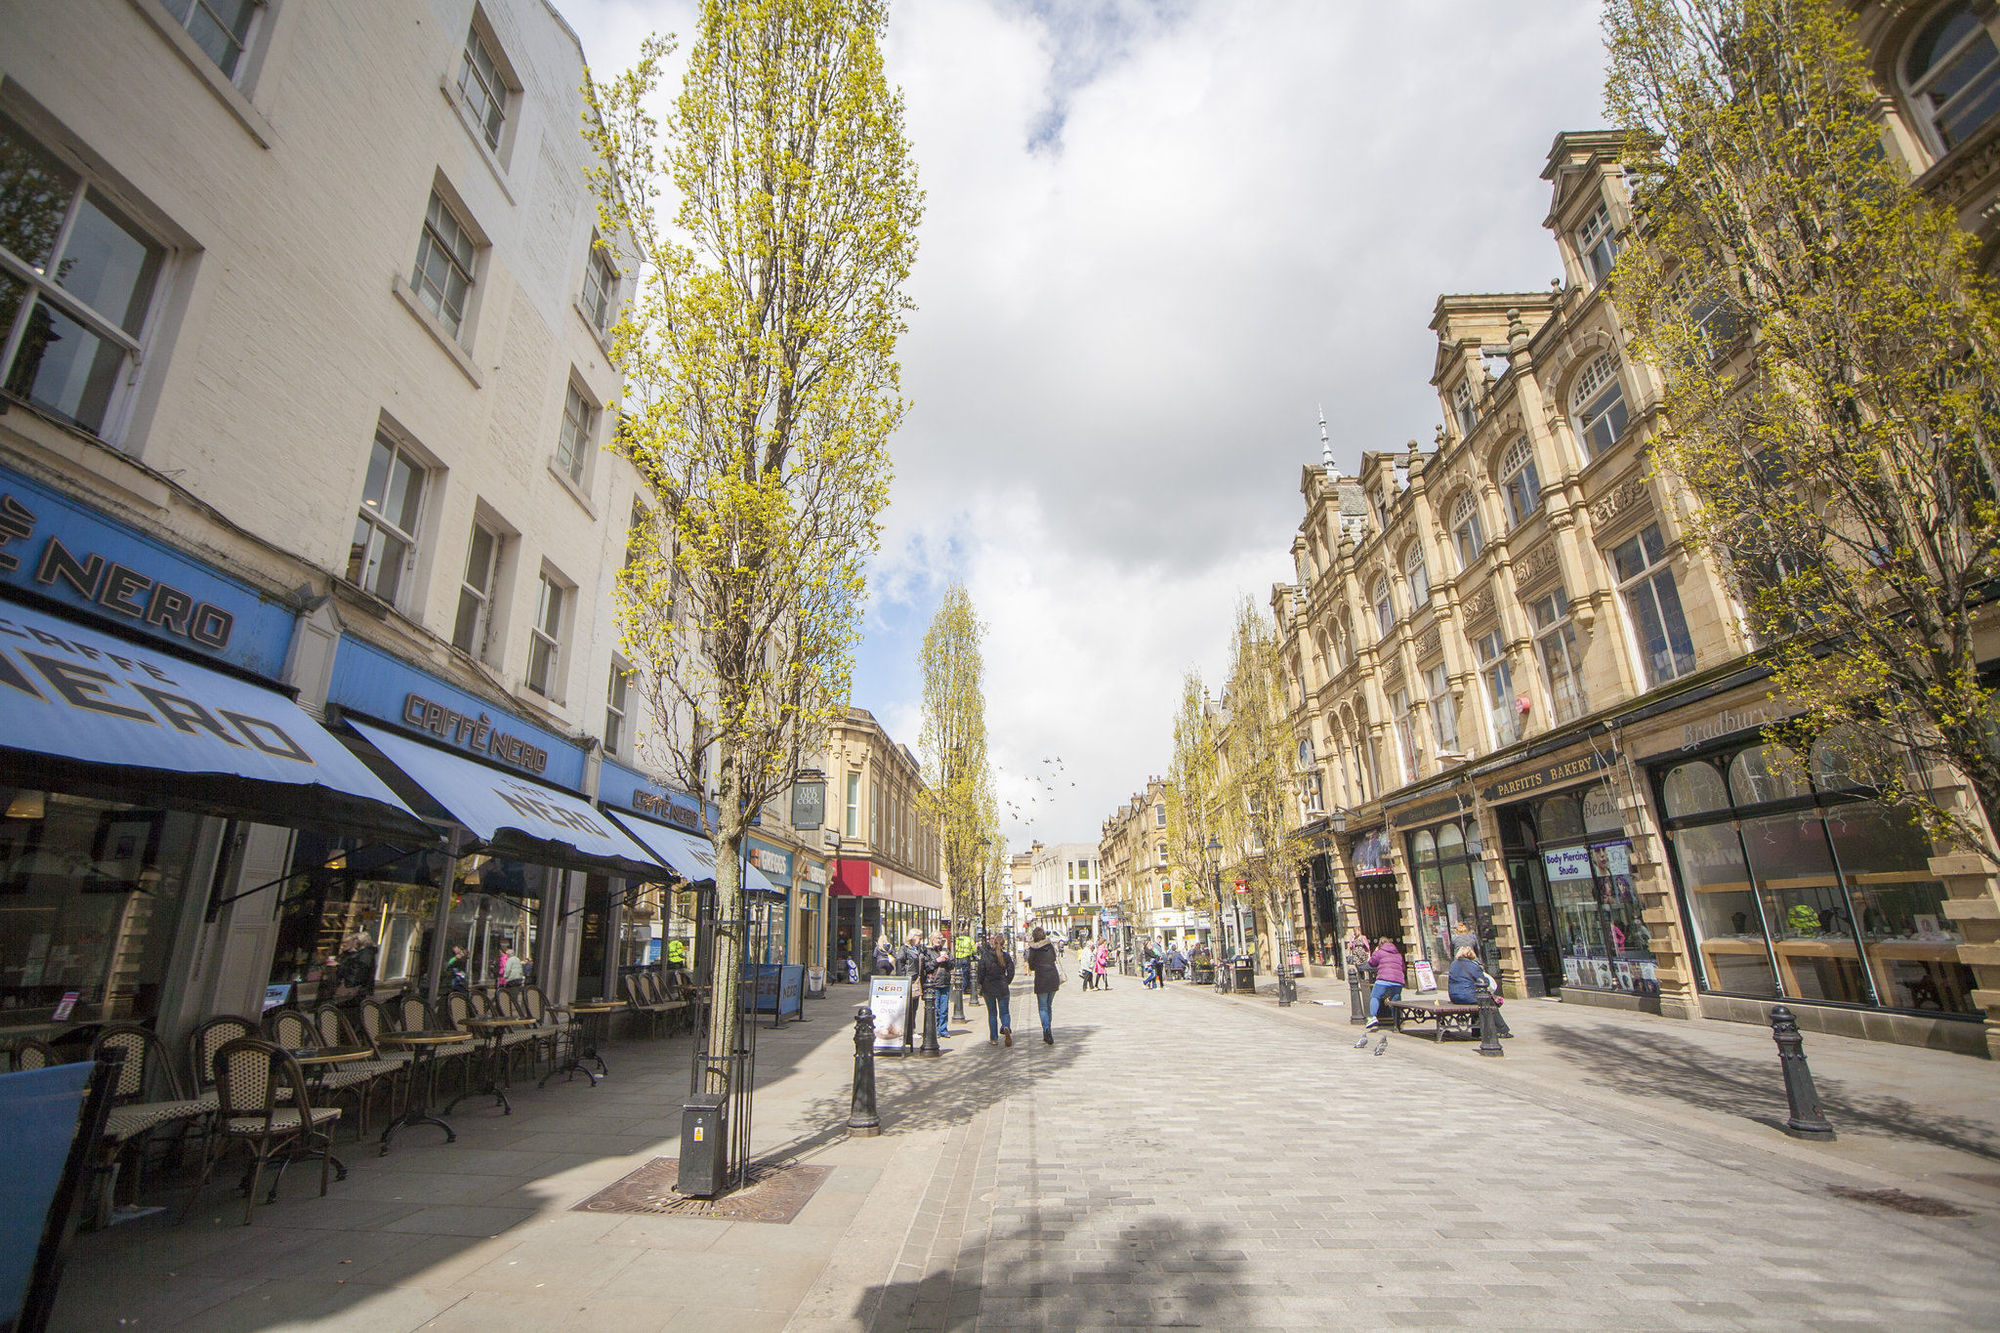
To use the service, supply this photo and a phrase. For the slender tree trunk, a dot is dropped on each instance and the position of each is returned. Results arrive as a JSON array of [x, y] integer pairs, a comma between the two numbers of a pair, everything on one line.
[[726, 962]]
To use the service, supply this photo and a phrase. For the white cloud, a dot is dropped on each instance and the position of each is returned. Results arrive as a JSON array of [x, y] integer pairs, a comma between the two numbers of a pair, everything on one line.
[[1158, 235]]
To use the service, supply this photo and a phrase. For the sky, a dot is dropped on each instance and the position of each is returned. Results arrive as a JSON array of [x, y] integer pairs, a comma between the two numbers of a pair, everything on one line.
[[1160, 238]]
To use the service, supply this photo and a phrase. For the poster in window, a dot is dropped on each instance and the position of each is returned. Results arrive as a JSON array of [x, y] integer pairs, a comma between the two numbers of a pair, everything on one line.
[[1567, 863], [126, 843]]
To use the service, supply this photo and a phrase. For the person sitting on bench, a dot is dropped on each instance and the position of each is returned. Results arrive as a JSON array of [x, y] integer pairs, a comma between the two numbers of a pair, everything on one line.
[[1387, 961], [1462, 983]]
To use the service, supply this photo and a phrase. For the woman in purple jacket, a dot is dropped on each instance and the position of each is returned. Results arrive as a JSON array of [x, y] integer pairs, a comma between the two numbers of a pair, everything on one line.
[[1387, 960]]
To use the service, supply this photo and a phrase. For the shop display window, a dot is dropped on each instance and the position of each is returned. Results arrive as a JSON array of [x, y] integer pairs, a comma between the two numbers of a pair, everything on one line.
[[355, 919], [497, 910], [1728, 924], [1599, 921], [91, 894], [1452, 898]]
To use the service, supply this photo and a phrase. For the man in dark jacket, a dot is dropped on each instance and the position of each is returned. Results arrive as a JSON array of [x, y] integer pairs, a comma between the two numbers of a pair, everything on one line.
[[993, 973]]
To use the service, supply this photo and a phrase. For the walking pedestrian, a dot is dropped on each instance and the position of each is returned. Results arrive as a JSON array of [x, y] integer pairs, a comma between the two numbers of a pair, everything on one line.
[[1085, 967], [1103, 965], [938, 978], [1042, 962], [993, 973], [1387, 960]]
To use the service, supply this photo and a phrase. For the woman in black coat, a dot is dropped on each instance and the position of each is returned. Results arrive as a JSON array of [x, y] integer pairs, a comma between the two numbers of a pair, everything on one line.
[[1042, 962], [993, 973]]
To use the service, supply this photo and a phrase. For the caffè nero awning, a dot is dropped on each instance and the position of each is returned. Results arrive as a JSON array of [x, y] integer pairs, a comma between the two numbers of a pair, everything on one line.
[[691, 856], [514, 816], [85, 712]]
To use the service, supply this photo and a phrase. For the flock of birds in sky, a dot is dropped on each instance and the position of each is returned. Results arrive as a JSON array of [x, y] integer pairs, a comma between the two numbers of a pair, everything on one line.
[[1046, 782]]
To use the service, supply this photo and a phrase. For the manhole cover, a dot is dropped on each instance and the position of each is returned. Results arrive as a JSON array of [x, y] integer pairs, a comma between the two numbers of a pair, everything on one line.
[[1903, 1203], [772, 1194]]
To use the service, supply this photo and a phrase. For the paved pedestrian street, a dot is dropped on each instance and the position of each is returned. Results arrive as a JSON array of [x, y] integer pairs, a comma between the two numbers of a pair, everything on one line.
[[1180, 1158]]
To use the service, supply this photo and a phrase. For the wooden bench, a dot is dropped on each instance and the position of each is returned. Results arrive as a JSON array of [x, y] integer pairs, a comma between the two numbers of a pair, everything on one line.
[[1443, 1015]]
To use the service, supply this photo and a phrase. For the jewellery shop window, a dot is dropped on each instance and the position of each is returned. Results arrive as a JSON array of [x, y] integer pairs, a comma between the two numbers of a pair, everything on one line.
[[497, 910], [1605, 942], [355, 920], [90, 899], [1452, 898], [1797, 887]]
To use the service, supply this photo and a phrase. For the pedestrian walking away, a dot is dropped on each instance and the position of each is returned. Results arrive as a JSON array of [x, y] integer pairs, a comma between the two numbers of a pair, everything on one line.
[[1387, 961], [1042, 962], [1103, 965], [993, 973], [1086, 967]]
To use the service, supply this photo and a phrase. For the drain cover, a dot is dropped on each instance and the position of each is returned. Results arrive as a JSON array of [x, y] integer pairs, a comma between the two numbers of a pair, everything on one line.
[[1903, 1203], [772, 1194]]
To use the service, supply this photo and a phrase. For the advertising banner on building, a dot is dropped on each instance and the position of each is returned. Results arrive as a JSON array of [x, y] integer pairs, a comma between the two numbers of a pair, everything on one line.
[[889, 1001]]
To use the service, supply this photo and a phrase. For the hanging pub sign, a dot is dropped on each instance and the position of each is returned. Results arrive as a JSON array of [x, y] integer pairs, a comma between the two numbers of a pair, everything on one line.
[[809, 800]]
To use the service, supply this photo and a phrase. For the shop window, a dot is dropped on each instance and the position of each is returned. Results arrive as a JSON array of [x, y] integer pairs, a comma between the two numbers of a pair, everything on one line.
[[355, 919], [1654, 603], [1765, 773], [1453, 903], [1599, 921], [77, 281], [91, 894], [1694, 789], [1728, 925]]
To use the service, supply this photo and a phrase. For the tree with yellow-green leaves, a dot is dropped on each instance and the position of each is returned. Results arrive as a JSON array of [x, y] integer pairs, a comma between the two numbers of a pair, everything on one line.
[[774, 216], [1259, 815], [958, 781], [1831, 365], [1194, 799]]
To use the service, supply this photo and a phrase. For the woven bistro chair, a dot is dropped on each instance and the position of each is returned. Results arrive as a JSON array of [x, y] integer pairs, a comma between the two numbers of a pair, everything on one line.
[[642, 1003], [265, 1104], [32, 1053], [328, 1027], [551, 1030], [451, 1014], [519, 1044], [412, 1014], [206, 1040], [147, 1073]]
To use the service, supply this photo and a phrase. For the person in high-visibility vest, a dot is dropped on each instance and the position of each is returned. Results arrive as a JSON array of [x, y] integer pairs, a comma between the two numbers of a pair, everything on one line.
[[676, 953], [962, 948]]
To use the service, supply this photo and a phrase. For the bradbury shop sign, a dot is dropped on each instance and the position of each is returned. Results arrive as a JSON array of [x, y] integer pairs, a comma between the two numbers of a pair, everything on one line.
[[477, 734], [1526, 784]]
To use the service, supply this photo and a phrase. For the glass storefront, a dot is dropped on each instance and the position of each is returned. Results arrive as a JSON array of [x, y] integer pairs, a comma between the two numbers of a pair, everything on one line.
[[91, 894], [1453, 905], [1573, 864], [1797, 886]]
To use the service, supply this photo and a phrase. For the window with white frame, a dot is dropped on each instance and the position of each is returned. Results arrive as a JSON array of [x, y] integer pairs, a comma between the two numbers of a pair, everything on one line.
[[442, 278], [1598, 402], [1444, 712], [545, 638], [1160, 815], [221, 28], [1654, 603], [1385, 607], [1466, 536], [579, 423], [1419, 575], [600, 287], [1498, 679], [473, 628], [1555, 638], [1952, 74], [875, 812], [384, 550], [851, 826], [77, 281], [1519, 484], [614, 708], [482, 86], [1596, 245], [1161, 852], [1461, 406], [1406, 734]]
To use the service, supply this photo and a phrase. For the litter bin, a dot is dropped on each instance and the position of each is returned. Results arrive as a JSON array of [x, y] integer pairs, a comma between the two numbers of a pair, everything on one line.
[[1246, 973], [704, 1146]]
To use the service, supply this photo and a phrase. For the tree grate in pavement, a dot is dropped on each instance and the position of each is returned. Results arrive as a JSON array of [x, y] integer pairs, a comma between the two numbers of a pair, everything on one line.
[[773, 1194], [1901, 1202]]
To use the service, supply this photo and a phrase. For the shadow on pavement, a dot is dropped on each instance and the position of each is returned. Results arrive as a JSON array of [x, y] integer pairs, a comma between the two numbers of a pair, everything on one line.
[[1158, 1271], [1652, 1065]]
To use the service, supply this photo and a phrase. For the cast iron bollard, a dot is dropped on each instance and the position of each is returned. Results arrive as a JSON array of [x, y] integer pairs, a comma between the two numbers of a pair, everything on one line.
[[1807, 1121], [1288, 989], [1489, 1022], [927, 1015], [1357, 998], [862, 1122], [958, 980]]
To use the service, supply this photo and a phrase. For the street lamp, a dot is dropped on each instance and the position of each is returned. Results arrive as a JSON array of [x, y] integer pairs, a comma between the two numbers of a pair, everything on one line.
[[1223, 972]]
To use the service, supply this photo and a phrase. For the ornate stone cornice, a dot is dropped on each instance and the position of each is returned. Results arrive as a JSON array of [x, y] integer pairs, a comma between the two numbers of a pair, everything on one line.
[[1535, 565], [1431, 644], [1621, 500], [1477, 603]]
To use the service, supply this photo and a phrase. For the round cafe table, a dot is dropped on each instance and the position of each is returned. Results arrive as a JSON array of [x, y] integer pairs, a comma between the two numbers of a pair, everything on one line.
[[423, 1047], [494, 1031], [587, 1018]]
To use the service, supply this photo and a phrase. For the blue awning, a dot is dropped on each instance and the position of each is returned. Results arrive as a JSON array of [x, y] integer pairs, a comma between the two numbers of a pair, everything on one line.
[[83, 711], [514, 816], [691, 856]]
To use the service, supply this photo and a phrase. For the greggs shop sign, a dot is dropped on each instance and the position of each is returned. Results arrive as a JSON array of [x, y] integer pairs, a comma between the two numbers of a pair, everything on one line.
[[71, 554]]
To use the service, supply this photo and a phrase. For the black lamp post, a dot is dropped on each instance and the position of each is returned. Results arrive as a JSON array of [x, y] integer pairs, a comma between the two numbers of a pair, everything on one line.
[[1224, 973]]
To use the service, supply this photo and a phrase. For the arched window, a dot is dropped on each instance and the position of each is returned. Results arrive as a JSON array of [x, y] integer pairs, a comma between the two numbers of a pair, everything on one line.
[[1693, 789], [1598, 404], [1519, 483], [1765, 773], [1952, 75], [1385, 609], [1418, 574], [1465, 533]]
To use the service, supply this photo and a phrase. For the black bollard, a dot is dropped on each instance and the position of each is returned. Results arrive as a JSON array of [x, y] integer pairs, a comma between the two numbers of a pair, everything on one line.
[[1807, 1120], [1357, 997], [957, 994], [862, 1122], [1288, 989], [1489, 1022], [927, 1015]]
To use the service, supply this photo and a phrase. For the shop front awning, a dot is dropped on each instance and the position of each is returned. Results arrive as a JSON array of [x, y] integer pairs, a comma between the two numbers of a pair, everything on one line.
[[689, 855], [852, 877], [88, 713], [513, 816]]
